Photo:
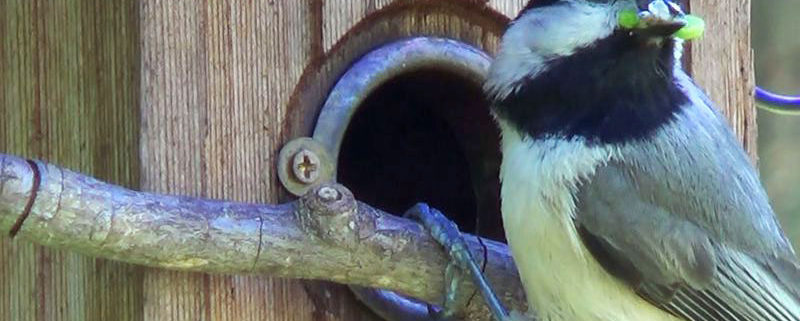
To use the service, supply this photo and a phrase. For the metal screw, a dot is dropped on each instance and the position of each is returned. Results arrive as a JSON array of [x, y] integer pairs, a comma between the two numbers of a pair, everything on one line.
[[329, 194], [305, 166]]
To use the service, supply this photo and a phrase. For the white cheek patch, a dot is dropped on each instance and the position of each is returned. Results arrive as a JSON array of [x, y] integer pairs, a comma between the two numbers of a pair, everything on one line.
[[561, 29], [546, 33]]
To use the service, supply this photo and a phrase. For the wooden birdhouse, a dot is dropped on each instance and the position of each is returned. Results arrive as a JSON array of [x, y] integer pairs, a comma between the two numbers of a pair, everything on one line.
[[198, 98]]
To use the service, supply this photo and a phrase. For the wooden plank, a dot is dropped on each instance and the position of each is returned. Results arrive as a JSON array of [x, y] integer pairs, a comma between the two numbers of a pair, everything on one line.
[[722, 63], [69, 95], [509, 8], [216, 78], [342, 15]]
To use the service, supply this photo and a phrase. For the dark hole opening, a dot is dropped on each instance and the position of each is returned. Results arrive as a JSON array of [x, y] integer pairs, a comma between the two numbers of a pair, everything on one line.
[[427, 136]]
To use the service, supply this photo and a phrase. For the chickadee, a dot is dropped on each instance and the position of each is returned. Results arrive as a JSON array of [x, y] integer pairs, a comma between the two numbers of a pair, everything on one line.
[[625, 195]]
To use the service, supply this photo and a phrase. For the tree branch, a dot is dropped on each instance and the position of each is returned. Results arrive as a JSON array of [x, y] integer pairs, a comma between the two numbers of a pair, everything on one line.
[[325, 235]]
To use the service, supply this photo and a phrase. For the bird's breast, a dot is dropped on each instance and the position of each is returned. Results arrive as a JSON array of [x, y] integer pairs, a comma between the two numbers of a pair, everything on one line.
[[561, 278]]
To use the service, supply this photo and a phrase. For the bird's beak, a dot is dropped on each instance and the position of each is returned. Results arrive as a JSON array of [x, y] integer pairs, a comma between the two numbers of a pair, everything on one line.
[[659, 18]]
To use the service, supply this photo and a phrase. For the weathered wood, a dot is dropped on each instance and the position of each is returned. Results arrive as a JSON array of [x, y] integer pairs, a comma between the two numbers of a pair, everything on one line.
[[326, 235], [722, 63], [69, 94], [216, 76], [509, 8], [340, 16]]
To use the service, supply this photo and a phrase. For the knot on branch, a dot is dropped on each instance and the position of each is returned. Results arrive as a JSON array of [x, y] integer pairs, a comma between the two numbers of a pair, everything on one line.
[[330, 212]]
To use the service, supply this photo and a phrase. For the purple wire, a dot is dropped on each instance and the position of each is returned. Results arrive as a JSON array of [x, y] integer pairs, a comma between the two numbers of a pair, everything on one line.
[[792, 102]]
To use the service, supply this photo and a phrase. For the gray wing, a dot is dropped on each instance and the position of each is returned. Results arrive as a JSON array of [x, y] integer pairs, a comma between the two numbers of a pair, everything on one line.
[[684, 220]]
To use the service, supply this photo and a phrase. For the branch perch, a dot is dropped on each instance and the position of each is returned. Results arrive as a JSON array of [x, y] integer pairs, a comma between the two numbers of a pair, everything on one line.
[[325, 235]]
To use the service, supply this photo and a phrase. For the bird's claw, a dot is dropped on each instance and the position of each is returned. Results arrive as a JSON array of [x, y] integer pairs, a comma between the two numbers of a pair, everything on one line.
[[446, 233]]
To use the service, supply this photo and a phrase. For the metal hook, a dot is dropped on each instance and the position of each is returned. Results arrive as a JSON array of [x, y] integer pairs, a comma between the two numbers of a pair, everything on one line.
[[780, 104]]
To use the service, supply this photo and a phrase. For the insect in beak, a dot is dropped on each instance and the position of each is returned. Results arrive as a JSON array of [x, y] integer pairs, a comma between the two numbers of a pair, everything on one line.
[[661, 18]]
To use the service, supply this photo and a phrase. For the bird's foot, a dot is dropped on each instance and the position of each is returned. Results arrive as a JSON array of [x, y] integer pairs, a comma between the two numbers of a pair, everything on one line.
[[462, 262]]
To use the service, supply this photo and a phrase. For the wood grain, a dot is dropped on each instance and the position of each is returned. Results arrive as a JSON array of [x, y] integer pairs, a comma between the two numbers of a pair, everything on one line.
[[69, 95], [722, 63], [216, 78], [509, 8], [341, 15]]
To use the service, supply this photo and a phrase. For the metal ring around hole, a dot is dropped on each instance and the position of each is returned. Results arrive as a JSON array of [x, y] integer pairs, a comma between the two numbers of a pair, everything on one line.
[[365, 76], [382, 65]]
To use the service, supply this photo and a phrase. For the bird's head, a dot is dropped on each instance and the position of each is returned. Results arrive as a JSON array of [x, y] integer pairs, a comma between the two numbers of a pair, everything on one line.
[[547, 30]]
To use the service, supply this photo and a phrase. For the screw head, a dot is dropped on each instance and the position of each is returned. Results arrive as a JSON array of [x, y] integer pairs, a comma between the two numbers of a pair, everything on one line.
[[305, 166], [303, 163]]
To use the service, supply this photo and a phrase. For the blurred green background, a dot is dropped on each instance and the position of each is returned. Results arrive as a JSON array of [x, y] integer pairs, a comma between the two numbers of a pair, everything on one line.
[[776, 41]]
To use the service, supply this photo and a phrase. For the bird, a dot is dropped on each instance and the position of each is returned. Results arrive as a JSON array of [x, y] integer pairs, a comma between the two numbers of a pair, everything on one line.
[[625, 194]]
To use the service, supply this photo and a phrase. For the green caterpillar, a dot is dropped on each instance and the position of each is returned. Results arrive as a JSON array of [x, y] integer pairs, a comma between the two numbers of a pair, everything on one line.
[[695, 26]]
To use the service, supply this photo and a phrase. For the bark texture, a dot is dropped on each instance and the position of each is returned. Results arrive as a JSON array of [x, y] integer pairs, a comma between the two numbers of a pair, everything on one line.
[[325, 235]]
